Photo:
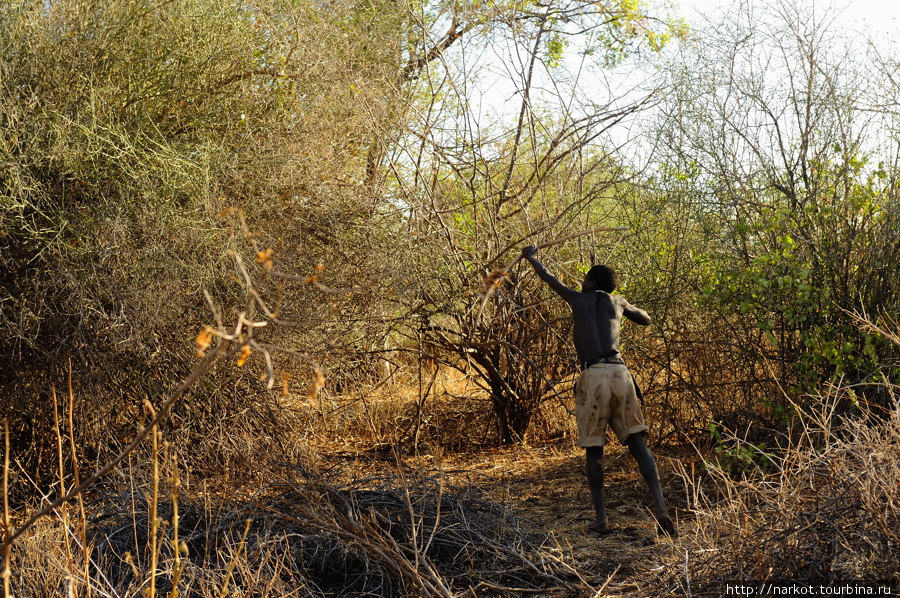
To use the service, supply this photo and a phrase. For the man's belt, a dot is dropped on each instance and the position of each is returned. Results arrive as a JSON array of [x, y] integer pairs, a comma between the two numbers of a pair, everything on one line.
[[616, 360]]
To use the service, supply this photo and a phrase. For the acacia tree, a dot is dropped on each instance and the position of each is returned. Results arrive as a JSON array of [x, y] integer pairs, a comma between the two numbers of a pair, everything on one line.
[[476, 192]]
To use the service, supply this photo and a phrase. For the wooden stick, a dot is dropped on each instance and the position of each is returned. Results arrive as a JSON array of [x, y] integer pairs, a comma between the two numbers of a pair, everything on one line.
[[77, 480], [7, 529]]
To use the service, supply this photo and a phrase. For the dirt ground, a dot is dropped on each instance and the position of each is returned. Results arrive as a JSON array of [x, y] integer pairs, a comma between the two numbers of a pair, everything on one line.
[[545, 485]]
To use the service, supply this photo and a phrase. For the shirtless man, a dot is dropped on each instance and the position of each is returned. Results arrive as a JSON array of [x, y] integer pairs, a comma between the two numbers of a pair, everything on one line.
[[605, 393]]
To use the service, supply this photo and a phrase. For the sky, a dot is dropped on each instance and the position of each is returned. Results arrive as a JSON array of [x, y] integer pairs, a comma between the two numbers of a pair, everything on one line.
[[496, 75], [876, 20], [879, 17]]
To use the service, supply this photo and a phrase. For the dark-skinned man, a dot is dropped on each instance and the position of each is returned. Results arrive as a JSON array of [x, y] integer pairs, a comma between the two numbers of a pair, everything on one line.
[[605, 394]]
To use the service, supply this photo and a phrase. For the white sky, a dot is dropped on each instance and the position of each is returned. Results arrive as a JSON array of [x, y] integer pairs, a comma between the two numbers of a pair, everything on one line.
[[495, 78], [876, 17]]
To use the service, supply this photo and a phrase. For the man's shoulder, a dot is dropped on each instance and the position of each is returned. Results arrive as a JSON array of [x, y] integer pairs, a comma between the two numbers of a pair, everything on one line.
[[619, 299], [614, 299]]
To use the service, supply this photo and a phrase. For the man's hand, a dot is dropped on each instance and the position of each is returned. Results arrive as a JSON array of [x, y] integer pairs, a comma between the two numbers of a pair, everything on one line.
[[529, 251]]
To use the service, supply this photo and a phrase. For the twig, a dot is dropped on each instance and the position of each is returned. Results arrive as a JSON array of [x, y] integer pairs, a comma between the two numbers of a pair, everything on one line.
[[505, 271], [63, 515], [224, 589], [198, 372], [7, 539], [154, 503], [77, 480], [176, 546], [509, 590]]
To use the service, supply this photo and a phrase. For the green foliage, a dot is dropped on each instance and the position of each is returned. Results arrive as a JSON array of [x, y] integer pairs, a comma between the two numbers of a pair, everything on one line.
[[802, 273], [739, 458], [631, 30], [783, 177]]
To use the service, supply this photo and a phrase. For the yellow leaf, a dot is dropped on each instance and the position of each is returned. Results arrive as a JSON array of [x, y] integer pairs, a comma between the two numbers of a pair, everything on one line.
[[245, 353], [204, 339], [264, 257]]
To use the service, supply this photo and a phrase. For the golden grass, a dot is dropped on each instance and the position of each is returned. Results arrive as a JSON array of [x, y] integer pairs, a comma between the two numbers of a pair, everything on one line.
[[371, 508], [825, 507]]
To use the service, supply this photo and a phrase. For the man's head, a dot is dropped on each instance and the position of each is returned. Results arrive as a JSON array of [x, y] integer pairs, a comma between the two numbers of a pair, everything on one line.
[[600, 278]]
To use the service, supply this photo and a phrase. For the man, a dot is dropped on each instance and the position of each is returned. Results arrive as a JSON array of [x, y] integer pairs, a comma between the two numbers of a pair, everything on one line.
[[605, 392]]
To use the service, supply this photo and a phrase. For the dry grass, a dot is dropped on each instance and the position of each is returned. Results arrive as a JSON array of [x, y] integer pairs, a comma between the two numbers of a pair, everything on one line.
[[824, 508], [374, 523], [397, 534], [447, 412], [364, 505]]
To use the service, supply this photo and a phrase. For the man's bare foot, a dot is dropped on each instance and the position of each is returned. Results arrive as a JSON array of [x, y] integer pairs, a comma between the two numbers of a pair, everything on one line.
[[601, 528], [665, 525]]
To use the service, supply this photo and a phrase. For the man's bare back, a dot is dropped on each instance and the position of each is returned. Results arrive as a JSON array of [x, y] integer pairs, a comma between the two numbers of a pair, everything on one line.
[[596, 315]]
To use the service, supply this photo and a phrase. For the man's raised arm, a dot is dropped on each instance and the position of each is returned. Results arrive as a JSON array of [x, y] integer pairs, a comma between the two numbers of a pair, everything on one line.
[[554, 283]]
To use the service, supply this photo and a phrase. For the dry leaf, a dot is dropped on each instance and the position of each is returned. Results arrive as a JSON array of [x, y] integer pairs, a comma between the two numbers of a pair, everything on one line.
[[245, 353], [264, 257], [204, 339], [317, 382]]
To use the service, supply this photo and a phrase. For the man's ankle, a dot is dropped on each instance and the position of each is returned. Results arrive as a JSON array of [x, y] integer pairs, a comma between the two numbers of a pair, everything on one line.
[[665, 525], [600, 527]]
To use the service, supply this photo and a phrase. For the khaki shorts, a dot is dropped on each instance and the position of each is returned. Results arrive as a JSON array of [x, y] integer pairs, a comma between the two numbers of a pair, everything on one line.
[[605, 395]]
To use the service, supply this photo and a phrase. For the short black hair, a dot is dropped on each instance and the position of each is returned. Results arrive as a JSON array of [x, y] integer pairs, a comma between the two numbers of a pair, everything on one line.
[[603, 277]]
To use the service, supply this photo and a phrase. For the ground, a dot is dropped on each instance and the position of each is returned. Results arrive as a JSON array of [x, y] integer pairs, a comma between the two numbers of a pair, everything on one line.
[[545, 484]]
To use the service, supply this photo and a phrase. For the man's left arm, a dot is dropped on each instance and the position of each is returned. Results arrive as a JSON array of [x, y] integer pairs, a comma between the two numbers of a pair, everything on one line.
[[635, 314], [554, 283]]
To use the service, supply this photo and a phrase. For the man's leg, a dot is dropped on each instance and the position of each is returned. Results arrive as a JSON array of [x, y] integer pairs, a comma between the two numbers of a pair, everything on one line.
[[647, 465], [594, 468]]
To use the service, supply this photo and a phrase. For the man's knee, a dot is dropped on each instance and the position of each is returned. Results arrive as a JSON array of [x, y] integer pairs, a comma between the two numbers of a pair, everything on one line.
[[638, 449], [636, 439]]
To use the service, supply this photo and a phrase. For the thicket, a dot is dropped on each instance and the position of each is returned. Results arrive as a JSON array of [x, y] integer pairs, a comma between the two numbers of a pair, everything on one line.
[[154, 154], [149, 151], [771, 223], [133, 136], [313, 191], [763, 222]]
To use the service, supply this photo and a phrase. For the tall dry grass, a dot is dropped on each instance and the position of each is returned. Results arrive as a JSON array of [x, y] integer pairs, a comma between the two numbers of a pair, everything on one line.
[[825, 507], [400, 533]]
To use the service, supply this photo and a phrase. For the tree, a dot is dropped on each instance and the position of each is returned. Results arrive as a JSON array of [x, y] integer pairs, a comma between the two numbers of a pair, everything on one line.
[[770, 124], [475, 193]]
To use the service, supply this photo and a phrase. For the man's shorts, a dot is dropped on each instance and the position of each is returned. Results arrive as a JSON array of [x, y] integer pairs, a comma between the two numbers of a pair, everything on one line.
[[604, 396]]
